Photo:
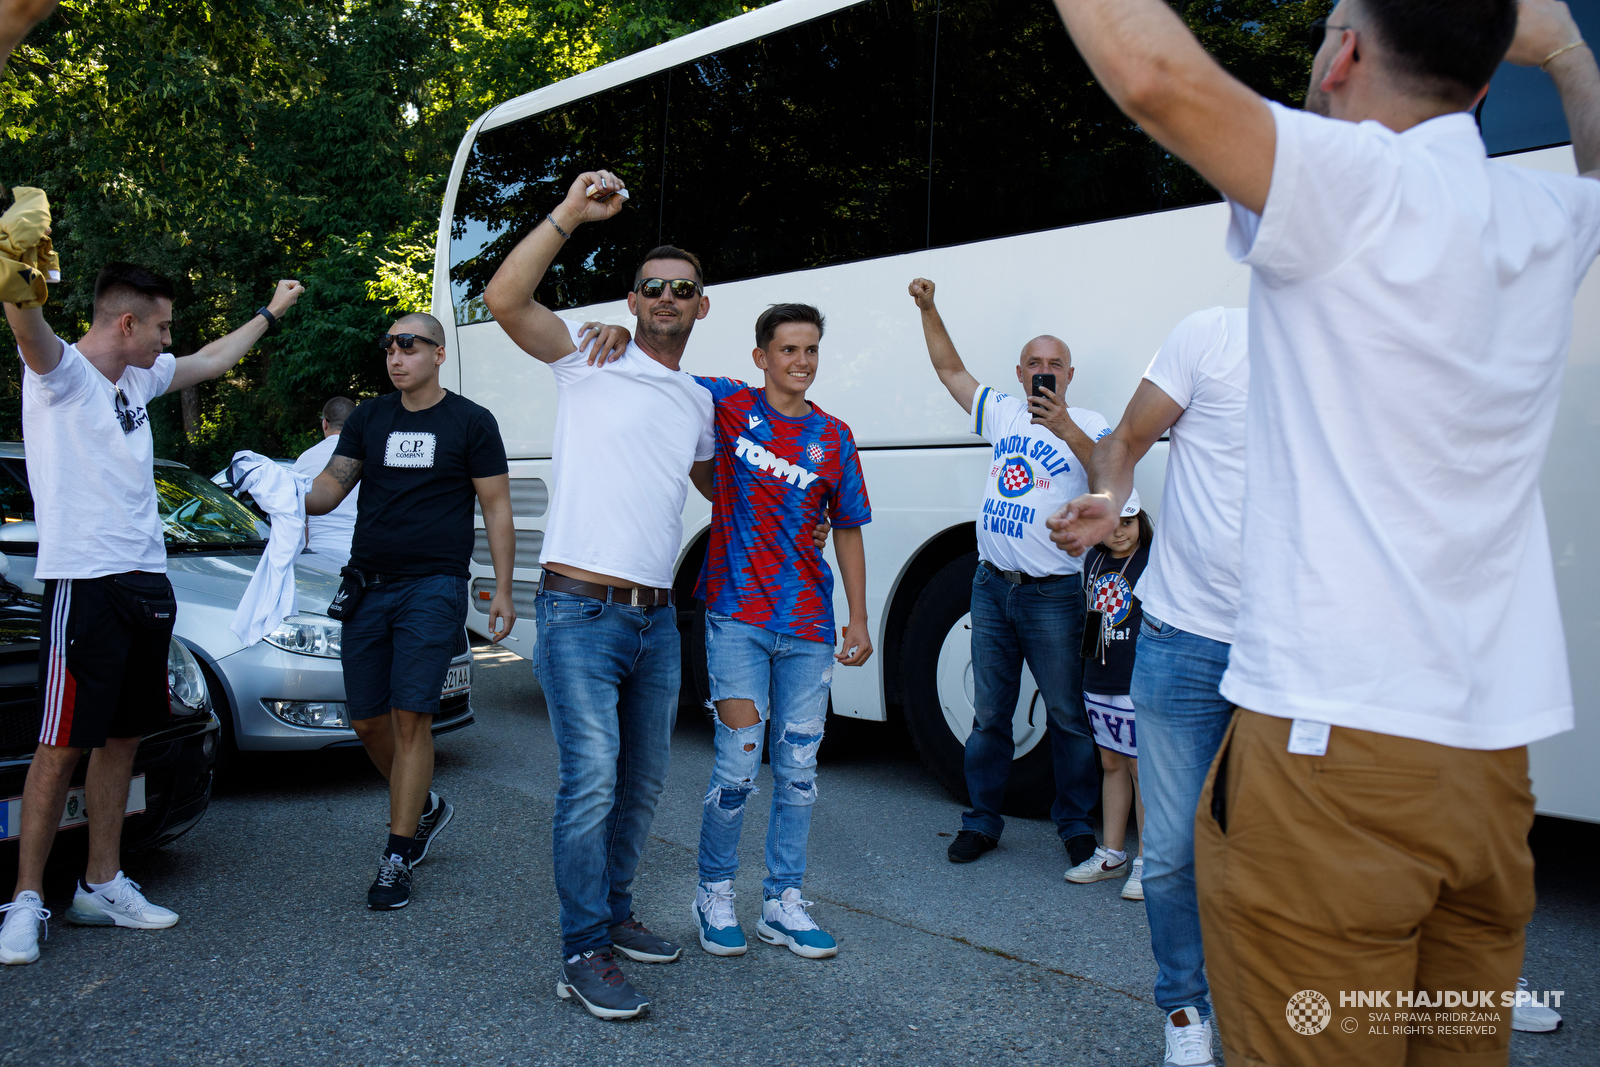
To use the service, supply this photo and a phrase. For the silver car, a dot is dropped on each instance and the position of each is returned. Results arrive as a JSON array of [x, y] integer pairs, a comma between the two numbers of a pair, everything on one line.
[[283, 693]]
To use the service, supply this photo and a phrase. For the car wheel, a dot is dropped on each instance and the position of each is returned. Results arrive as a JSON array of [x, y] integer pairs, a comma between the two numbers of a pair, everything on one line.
[[936, 666]]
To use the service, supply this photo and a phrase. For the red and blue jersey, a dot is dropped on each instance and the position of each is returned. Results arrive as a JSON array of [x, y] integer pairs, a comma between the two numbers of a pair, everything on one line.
[[774, 477]]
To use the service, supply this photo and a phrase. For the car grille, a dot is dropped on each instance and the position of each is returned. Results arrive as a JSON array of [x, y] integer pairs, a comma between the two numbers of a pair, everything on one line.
[[19, 720], [453, 707]]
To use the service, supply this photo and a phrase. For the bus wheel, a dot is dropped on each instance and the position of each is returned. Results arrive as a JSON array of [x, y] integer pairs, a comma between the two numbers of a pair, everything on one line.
[[936, 666]]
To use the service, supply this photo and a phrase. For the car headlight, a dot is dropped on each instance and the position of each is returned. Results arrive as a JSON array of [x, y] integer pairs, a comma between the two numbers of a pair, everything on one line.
[[184, 680], [308, 636]]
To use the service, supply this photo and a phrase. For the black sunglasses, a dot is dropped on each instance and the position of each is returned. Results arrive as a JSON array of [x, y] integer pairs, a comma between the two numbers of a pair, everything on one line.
[[1319, 32], [125, 416], [405, 341], [682, 288]]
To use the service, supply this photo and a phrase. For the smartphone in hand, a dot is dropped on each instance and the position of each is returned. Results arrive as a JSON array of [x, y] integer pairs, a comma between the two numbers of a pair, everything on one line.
[[1043, 381]]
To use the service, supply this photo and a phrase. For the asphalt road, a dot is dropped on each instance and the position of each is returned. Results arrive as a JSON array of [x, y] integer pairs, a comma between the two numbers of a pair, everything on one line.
[[278, 961]]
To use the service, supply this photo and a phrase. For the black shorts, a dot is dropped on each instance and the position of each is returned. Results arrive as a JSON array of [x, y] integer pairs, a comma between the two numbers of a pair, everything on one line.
[[103, 658]]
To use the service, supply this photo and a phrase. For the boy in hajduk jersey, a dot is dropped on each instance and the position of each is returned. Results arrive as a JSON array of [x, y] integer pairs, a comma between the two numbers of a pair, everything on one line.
[[781, 462]]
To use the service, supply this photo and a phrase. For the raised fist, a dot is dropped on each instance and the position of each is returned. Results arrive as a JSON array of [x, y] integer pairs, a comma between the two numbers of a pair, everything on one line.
[[922, 292]]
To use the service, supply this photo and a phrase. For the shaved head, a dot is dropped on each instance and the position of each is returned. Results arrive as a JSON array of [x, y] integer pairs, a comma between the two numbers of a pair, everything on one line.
[[1045, 346], [419, 322]]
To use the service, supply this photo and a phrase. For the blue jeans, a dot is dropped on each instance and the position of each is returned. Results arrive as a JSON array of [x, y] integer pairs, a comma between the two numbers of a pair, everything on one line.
[[610, 677], [1182, 720], [398, 646], [788, 678], [1043, 624]]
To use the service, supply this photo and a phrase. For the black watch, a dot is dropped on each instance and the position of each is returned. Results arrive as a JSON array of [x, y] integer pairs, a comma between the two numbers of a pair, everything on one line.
[[273, 325]]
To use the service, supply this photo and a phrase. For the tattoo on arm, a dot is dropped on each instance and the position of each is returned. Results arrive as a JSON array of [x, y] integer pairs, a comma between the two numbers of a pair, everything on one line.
[[345, 471]]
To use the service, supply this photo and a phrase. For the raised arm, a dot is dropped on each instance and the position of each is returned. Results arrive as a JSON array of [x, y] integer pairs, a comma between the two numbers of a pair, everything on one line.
[[1545, 29], [510, 295], [329, 488], [494, 498], [1089, 519], [216, 358], [1152, 67], [941, 350], [40, 347]]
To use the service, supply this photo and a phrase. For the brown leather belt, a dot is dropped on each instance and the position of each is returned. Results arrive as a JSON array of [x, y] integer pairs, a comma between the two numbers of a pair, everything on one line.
[[636, 596]]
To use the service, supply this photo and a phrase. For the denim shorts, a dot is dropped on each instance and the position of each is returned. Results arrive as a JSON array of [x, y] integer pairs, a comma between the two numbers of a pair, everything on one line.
[[398, 647]]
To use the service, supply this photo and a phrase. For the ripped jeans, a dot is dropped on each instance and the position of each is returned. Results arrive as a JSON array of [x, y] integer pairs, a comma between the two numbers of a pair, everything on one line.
[[787, 677]]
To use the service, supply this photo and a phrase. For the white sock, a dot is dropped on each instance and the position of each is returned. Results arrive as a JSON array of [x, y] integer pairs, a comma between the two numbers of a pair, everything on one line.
[[101, 887], [1118, 856]]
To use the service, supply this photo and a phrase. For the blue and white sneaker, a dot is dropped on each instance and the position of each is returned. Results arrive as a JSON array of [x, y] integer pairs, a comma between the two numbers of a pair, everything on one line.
[[784, 922], [720, 933]]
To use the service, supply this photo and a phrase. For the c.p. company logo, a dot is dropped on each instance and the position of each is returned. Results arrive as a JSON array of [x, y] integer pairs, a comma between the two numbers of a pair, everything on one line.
[[1309, 1012]]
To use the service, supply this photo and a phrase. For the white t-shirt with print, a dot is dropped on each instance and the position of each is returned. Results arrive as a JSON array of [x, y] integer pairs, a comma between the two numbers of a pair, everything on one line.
[[1032, 473], [328, 544], [625, 437], [91, 467], [1192, 581], [1410, 314]]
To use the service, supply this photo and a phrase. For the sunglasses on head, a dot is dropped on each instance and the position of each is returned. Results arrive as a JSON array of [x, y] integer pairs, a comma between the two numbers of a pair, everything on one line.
[[682, 288], [405, 341]]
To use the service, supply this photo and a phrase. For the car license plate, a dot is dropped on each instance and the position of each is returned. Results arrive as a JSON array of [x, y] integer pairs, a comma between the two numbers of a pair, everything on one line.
[[458, 680], [73, 814]]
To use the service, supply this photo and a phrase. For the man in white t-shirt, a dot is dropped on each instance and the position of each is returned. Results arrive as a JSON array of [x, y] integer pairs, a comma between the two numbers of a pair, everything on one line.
[[108, 607], [626, 436], [328, 536], [1194, 391], [1365, 823], [1027, 605]]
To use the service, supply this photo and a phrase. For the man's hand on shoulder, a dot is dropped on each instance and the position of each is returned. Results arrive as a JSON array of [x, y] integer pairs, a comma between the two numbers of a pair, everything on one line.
[[1082, 523], [605, 343]]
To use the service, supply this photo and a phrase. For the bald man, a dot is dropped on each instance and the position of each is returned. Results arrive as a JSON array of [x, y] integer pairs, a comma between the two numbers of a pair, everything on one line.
[[1027, 602]]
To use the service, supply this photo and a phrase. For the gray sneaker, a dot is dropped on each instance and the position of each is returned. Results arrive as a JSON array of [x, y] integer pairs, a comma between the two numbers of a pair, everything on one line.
[[634, 941], [596, 980]]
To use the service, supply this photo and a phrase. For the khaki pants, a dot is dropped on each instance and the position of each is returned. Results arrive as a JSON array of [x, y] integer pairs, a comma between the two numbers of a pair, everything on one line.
[[1387, 866]]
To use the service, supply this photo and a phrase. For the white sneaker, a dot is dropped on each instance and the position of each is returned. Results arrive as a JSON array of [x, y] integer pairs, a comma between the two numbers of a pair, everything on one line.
[[1134, 889], [784, 922], [118, 904], [1097, 868], [720, 933], [1529, 1018], [19, 936], [1188, 1040]]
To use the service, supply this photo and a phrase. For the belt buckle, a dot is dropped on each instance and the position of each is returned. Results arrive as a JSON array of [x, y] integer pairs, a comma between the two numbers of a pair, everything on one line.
[[633, 596], [1014, 577]]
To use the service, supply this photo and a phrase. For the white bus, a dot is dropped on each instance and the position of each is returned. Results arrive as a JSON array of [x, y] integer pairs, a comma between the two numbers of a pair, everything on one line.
[[828, 151]]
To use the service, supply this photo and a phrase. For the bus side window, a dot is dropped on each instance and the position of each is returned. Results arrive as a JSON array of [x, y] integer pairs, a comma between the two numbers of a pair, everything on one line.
[[1523, 109], [806, 147], [519, 171]]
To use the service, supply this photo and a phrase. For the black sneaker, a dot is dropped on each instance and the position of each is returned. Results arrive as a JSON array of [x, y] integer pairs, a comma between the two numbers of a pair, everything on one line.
[[392, 888], [636, 942], [436, 818], [969, 845], [596, 980], [1080, 847]]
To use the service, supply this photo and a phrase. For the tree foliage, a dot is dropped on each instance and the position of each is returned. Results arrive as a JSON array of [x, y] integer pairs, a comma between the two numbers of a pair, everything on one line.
[[228, 143]]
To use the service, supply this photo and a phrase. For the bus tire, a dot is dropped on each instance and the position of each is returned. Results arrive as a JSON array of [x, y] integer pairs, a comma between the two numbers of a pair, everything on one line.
[[939, 607]]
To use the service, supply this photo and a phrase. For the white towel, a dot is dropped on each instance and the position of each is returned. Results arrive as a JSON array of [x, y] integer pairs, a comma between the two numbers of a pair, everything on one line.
[[281, 493]]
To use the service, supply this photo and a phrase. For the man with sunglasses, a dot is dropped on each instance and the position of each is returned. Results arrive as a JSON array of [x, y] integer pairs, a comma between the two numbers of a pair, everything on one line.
[[1365, 822], [103, 561], [422, 455], [626, 437]]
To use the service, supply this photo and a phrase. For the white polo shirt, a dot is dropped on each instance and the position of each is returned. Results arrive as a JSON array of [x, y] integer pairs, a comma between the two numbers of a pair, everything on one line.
[[1192, 580], [1410, 313]]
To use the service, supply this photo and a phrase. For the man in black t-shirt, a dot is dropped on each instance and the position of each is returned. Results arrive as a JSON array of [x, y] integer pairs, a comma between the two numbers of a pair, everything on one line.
[[422, 454]]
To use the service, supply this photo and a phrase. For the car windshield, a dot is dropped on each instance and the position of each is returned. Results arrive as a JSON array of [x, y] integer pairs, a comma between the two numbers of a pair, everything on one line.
[[195, 513]]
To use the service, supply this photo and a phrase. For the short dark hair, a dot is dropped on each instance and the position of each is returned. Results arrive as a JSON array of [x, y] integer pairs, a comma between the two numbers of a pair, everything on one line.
[[337, 410], [121, 287], [668, 252], [1147, 530], [434, 326], [1449, 48], [778, 314]]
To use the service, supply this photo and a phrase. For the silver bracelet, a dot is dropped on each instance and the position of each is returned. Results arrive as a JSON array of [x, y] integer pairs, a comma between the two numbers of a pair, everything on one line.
[[1579, 43], [551, 219]]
